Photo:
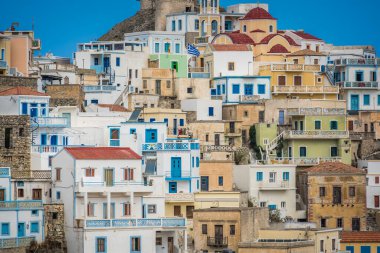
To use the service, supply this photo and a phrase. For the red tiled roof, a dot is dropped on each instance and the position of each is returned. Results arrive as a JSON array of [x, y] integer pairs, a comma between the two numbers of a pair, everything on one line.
[[278, 49], [103, 153], [258, 13], [21, 91], [306, 36], [267, 39], [114, 108], [240, 38], [230, 47], [334, 167], [357, 237], [280, 31], [258, 31], [306, 52]]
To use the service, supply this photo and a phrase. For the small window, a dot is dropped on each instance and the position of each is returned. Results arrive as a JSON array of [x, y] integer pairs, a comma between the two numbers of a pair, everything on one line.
[[245, 113], [189, 212], [351, 191], [158, 241], [189, 90], [359, 76], [34, 227], [231, 66], [244, 28], [263, 204], [151, 208], [58, 195], [117, 61], [303, 152], [316, 61], [283, 204], [339, 222], [196, 24], [323, 222], [20, 193], [5, 229], [322, 191], [101, 245], [333, 244], [235, 89], [319, 79], [129, 174], [157, 48], [21, 132], [271, 28], [366, 99], [34, 212], [272, 177], [204, 229], [181, 122], [334, 151], [220, 181], [168, 84], [261, 89], [58, 174], [285, 176], [114, 137], [211, 111], [321, 246], [282, 80], [126, 209], [54, 215], [232, 229], [136, 73], [90, 172], [259, 176], [333, 125]]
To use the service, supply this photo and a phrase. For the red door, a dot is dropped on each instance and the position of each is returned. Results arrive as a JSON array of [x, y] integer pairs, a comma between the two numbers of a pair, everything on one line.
[[377, 201]]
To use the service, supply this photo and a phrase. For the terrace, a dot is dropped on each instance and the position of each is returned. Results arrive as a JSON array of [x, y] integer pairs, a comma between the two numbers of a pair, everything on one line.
[[300, 134], [50, 121], [291, 67], [136, 223], [315, 111], [6, 243], [24, 204], [308, 89], [300, 161]]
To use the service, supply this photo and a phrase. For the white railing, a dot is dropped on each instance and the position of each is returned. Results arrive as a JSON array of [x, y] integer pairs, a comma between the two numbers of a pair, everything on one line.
[[99, 88], [292, 67], [305, 89], [51, 121], [7, 243], [174, 197], [300, 161], [127, 223], [315, 134], [357, 62], [273, 144], [273, 185], [315, 111], [251, 98], [364, 85]]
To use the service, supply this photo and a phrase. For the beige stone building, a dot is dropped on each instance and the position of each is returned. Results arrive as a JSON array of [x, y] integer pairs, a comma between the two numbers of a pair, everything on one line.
[[335, 194]]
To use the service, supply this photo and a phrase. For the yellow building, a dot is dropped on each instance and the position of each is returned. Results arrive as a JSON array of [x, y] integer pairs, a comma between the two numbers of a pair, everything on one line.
[[289, 80], [5, 56], [360, 242], [159, 81], [336, 196]]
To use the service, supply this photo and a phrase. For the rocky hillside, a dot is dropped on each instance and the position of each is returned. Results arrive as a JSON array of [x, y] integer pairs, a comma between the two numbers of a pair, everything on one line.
[[143, 20]]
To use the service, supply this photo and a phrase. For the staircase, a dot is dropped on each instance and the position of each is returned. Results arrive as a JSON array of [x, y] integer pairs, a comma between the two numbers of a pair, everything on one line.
[[329, 71], [273, 144], [34, 126]]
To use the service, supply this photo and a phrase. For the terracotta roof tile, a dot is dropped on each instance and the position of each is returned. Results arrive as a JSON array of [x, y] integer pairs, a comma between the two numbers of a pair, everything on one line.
[[267, 39], [258, 13], [230, 47], [240, 38], [278, 49], [357, 237], [258, 31], [114, 108], [306, 52], [334, 167], [306, 36], [21, 91], [103, 153]]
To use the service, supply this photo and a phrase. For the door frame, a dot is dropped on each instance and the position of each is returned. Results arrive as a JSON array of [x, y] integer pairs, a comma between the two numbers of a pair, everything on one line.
[[113, 176], [18, 229]]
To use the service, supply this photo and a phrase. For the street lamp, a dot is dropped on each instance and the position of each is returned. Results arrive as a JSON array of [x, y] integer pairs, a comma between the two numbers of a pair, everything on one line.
[[248, 66]]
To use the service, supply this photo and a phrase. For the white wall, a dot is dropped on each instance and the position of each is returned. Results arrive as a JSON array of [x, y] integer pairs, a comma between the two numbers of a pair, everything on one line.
[[188, 22], [200, 106], [373, 189], [240, 58]]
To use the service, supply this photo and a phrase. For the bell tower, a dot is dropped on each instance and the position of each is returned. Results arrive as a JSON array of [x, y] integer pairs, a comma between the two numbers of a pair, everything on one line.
[[209, 18]]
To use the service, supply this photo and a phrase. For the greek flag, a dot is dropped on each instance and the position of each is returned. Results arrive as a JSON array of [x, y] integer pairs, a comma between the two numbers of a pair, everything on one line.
[[191, 49]]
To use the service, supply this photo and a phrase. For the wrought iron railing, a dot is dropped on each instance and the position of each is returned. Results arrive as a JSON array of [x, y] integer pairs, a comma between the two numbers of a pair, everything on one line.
[[315, 134], [217, 241], [6, 243], [144, 222], [170, 146]]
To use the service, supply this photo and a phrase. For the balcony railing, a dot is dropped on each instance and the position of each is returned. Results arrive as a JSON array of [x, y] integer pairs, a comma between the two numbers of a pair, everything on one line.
[[217, 97], [53, 148], [201, 40], [363, 85], [217, 242], [299, 134], [362, 135], [31, 174], [175, 197], [177, 131], [24, 204], [183, 174], [99, 88], [315, 111], [281, 185], [170, 146], [143, 223], [291, 67], [301, 161], [6, 243], [249, 99], [198, 75], [305, 89], [3, 64], [50, 121], [218, 148], [357, 62]]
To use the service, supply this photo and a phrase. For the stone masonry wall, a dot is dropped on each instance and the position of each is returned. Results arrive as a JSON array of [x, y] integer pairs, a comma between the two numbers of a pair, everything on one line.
[[54, 225], [7, 82], [17, 156], [65, 95]]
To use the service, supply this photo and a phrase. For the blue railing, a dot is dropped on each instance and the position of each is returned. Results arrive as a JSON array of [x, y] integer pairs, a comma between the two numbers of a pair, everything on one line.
[[98, 68], [170, 146], [3, 64], [126, 223], [54, 148], [5, 172], [194, 146], [199, 75], [22, 204], [7, 243]]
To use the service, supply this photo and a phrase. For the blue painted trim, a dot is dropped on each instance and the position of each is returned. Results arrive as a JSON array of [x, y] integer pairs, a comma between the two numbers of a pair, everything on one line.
[[38, 227], [9, 229], [105, 244], [240, 77]]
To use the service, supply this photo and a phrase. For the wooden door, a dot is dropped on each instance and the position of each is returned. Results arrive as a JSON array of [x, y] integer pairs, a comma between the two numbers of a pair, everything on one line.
[[2, 194], [219, 234], [170, 245], [177, 211], [37, 194], [377, 201], [108, 177]]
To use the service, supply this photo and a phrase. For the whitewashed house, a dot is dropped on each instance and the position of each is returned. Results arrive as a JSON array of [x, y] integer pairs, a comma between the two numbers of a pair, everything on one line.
[[205, 109], [111, 205], [306, 40], [373, 182], [272, 186], [21, 221]]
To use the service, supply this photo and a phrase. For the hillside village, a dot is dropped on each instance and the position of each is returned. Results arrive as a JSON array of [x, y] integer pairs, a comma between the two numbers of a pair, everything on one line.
[[190, 127]]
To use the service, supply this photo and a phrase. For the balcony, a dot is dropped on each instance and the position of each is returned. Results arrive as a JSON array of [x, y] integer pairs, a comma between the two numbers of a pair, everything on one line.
[[315, 111], [281, 185], [198, 73], [50, 122], [99, 88], [218, 148], [97, 185], [158, 73], [250, 99], [178, 131], [357, 62], [24, 205], [291, 67], [3, 64], [183, 175], [217, 242], [304, 89], [31, 174], [298, 134], [179, 197], [232, 132], [170, 146], [202, 40], [136, 223], [360, 85], [7, 243], [302, 161]]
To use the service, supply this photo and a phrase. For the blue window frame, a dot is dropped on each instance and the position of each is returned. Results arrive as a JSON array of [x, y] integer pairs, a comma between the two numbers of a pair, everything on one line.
[[5, 229], [33, 110], [211, 111], [213, 92], [365, 249], [172, 187], [236, 89], [54, 140], [132, 130], [114, 137], [197, 162], [179, 25], [24, 108], [43, 139], [198, 184], [350, 249], [151, 135], [2, 54], [220, 181], [378, 99], [167, 47], [101, 244], [261, 89], [43, 109], [248, 89], [135, 244], [166, 121], [181, 122], [196, 24], [303, 152], [173, 25], [58, 195], [177, 48], [285, 176], [117, 61], [272, 207], [34, 227], [96, 61], [192, 162], [152, 120], [259, 176], [334, 125], [157, 48], [223, 89], [366, 99], [34, 212], [94, 101]]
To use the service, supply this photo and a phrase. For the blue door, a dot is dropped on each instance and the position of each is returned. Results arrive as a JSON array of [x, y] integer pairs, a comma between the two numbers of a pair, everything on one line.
[[21, 229], [43, 139], [176, 167], [172, 187], [218, 90], [365, 249], [248, 89], [54, 140], [34, 110], [355, 102], [350, 249], [282, 118], [151, 135], [106, 62]]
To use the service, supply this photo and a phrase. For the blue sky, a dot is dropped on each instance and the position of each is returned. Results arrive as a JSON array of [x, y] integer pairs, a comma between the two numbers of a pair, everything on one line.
[[62, 24]]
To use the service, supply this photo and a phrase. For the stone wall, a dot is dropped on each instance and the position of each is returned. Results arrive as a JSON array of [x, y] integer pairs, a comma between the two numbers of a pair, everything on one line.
[[54, 225], [65, 95], [7, 82], [165, 7], [169, 103], [17, 155]]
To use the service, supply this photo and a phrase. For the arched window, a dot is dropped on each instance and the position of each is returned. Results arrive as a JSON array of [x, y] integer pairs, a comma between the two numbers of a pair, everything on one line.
[[244, 28], [214, 27], [271, 28], [203, 28]]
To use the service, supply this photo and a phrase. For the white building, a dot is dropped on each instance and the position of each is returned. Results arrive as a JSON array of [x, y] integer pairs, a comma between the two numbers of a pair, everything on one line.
[[22, 221], [182, 22], [110, 205], [306, 40], [373, 182], [272, 186], [241, 89], [202, 108], [358, 79], [349, 52]]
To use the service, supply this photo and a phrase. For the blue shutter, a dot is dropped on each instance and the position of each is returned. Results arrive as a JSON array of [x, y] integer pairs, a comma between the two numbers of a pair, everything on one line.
[[211, 111], [259, 176], [172, 187], [157, 48], [181, 122], [285, 176], [350, 248], [197, 159], [261, 89], [223, 89], [4, 228], [34, 228], [151, 135], [24, 108], [235, 89], [192, 161], [118, 61], [152, 120], [366, 100]]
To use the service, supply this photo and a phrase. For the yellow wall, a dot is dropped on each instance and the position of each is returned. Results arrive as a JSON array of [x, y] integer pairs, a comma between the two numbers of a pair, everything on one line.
[[162, 113], [215, 169], [262, 24], [217, 199], [374, 246]]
